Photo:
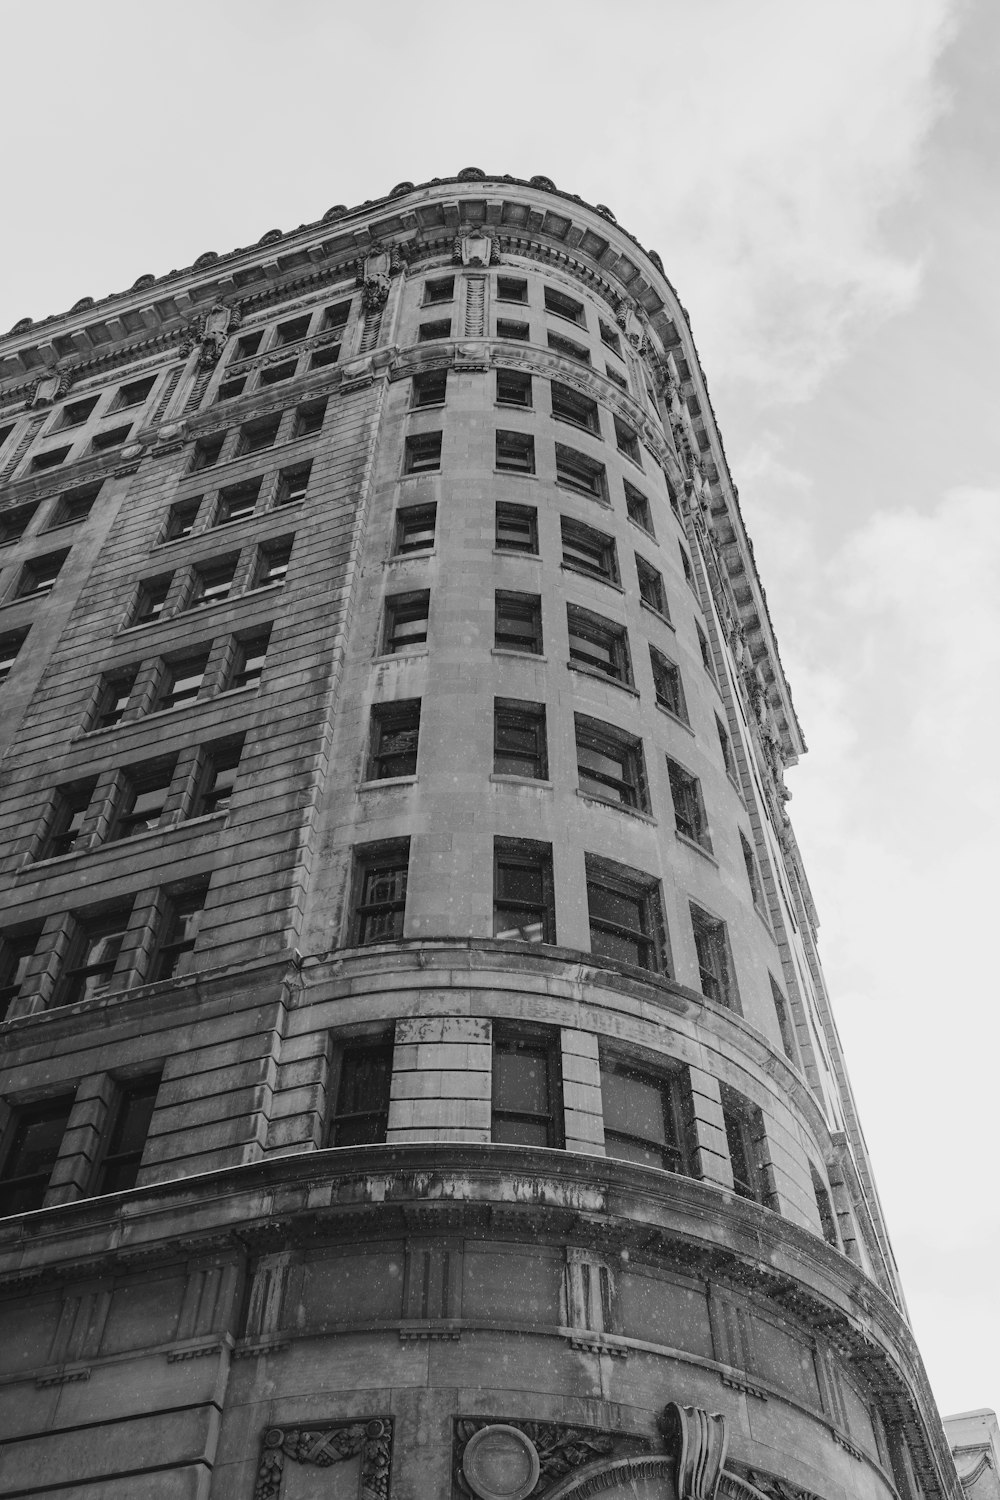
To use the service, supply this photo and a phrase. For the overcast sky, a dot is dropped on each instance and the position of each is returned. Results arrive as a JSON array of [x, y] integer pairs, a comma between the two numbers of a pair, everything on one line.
[[820, 178]]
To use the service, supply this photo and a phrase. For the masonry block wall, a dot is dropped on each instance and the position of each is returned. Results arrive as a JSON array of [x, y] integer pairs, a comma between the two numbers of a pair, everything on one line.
[[411, 1020]]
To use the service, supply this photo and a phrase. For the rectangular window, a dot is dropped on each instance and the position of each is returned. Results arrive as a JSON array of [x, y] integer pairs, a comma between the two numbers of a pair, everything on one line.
[[651, 590], [361, 1112], [271, 568], [249, 656], [206, 451], [527, 1097], [430, 388], [580, 473], [688, 570], [644, 1111], [523, 898], [515, 452], [292, 485], [626, 918], [38, 576], [519, 740], [511, 289], [133, 1113], [309, 418], [415, 526], [517, 528], [68, 816], [715, 967], [336, 316], [10, 646], [628, 443], [689, 809], [667, 685], [380, 875], [321, 359], [706, 652], [588, 551], [291, 332], [784, 1022], [405, 621], [518, 622], [182, 681], [638, 510], [564, 307], [824, 1208], [422, 453], [113, 697], [229, 390], [513, 388], [609, 336], [136, 393], [34, 1136], [611, 764], [115, 437], [237, 502], [598, 645], [439, 329], [182, 920], [73, 507], [726, 747], [217, 781], [150, 599], [275, 374], [672, 495], [569, 348], [76, 413], [49, 460], [93, 955], [570, 406], [440, 290], [744, 1126], [616, 377], [212, 582], [142, 798], [753, 874], [13, 523], [247, 346], [256, 437], [395, 736], [507, 328], [16, 953]]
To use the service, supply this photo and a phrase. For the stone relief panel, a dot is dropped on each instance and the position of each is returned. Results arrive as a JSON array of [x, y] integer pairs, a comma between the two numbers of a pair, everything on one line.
[[361, 1451]]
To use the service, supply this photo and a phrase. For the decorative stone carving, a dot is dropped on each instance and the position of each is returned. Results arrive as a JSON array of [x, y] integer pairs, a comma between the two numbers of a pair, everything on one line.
[[628, 320], [771, 1486], [22, 325], [145, 280], [401, 189], [476, 250], [206, 258], [82, 304], [543, 182], [49, 387], [657, 262], [605, 212], [697, 1440], [382, 262], [336, 212], [324, 1445], [270, 237], [500, 1463], [472, 174], [210, 330], [559, 1449]]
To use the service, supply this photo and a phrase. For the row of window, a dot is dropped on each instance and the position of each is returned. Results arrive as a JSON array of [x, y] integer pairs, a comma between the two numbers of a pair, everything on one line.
[[71, 508], [236, 502], [326, 323], [138, 798], [76, 414], [262, 565], [175, 680], [647, 1110]]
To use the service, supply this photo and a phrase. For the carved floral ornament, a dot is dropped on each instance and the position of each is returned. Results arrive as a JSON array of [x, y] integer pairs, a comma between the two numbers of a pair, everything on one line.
[[630, 323], [326, 1444], [49, 387], [382, 262], [209, 332], [476, 250]]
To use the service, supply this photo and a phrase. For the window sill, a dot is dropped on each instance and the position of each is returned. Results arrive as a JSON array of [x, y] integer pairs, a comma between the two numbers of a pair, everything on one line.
[[594, 577], [630, 812], [571, 489], [417, 555], [427, 406], [420, 474], [658, 615], [514, 406], [626, 687], [413, 654], [515, 552], [578, 426], [509, 652], [27, 870], [682, 838], [642, 530], [374, 786], [635, 462], [516, 474], [503, 778], [669, 714], [23, 599]]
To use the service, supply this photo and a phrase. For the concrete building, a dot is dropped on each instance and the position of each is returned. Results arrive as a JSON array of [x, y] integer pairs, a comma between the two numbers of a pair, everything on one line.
[[417, 1075]]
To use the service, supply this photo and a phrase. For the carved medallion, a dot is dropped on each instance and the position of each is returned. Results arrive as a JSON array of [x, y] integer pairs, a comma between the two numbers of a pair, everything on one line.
[[329, 1443]]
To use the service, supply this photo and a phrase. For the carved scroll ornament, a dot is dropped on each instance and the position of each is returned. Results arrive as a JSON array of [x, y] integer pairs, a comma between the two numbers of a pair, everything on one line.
[[697, 1440], [326, 1445]]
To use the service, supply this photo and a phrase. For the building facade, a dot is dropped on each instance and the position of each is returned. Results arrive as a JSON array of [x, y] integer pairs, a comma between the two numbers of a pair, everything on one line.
[[417, 1075]]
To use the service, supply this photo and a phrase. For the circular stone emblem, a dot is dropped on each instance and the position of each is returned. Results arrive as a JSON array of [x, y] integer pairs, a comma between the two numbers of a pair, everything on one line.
[[500, 1463]]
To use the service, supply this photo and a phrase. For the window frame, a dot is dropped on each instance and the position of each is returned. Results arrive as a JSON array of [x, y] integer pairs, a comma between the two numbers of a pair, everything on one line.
[[241, 656], [422, 521], [395, 717], [508, 282], [562, 305], [113, 1158], [381, 1050], [672, 1080], [630, 790], [507, 513], [716, 974], [74, 980], [639, 510], [405, 609], [690, 816], [172, 951], [743, 1121], [518, 380], [645, 891], [663, 668], [425, 381], [582, 474], [585, 625], [179, 669], [437, 290], [388, 856], [543, 1043], [530, 607], [438, 328], [56, 1111], [422, 453], [524, 855], [588, 540], [569, 405], [515, 452], [512, 716]]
